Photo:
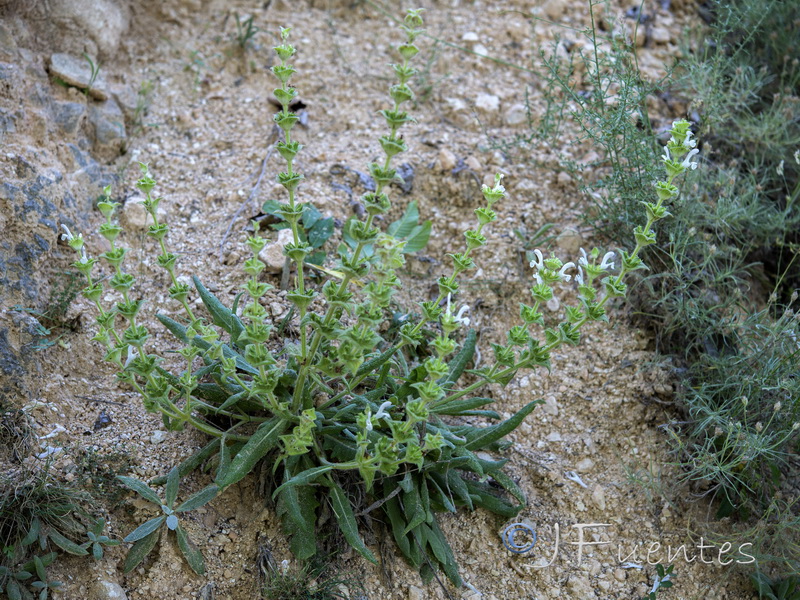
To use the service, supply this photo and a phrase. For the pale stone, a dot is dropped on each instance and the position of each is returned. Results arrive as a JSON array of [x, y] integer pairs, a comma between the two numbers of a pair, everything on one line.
[[599, 497], [107, 590], [517, 114], [470, 36], [100, 21], [584, 465], [135, 215], [447, 160], [554, 8], [158, 436], [272, 254], [487, 102], [660, 35], [415, 593], [553, 437], [76, 72]]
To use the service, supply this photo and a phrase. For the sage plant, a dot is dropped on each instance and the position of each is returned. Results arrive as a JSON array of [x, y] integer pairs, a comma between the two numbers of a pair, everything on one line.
[[358, 397]]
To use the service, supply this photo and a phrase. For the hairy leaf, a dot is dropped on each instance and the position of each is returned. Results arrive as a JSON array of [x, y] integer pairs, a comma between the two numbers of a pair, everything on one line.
[[461, 360], [145, 529], [222, 316], [487, 435], [198, 499], [263, 440], [140, 487], [139, 551], [347, 521], [296, 506], [193, 556], [304, 478], [66, 544]]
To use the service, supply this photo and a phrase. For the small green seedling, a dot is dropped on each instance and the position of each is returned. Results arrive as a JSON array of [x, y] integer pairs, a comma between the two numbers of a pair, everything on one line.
[[145, 536]]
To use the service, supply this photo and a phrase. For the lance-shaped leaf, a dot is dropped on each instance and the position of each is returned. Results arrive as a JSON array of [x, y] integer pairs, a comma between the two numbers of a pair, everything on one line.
[[198, 499], [140, 487], [461, 360], [304, 478], [222, 316], [347, 521], [193, 555], [145, 529], [483, 437], [171, 490], [375, 363], [296, 506], [139, 551], [264, 439], [66, 544]]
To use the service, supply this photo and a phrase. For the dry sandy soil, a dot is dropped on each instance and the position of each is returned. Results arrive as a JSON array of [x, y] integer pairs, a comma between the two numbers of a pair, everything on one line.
[[593, 453]]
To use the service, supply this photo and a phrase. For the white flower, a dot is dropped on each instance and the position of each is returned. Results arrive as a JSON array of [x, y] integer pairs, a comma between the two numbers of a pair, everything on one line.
[[562, 271], [607, 262], [688, 142], [538, 264], [579, 276], [382, 414], [780, 169], [369, 419], [583, 260], [132, 355], [666, 153], [67, 237], [687, 162], [458, 318]]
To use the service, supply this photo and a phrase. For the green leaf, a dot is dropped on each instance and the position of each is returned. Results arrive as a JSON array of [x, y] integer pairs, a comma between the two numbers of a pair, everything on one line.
[[375, 363], [13, 591], [441, 548], [264, 439], [40, 571], [487, 435], [224, 459], [489, 501], [139, 551], [66, 544], [193, 556], [413, 508], [510, 486], [272, 207], [418, 238], [171, 490], [398, 523], [175, 328], [456, 407], [304, 478], [437, 493], [33, 532], [321, 232], [461, 360], [198, 499], [296, 506], [347, 521], [403, 226], [220, 314], [140, 487], [311, 215], [145, 529]]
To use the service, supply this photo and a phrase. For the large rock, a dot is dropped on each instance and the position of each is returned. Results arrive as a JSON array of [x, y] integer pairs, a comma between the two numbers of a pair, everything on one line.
[[82, 23], [77, 72]]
